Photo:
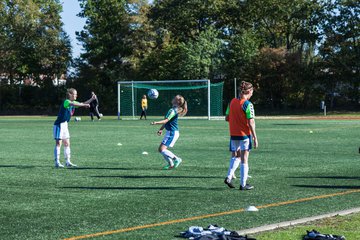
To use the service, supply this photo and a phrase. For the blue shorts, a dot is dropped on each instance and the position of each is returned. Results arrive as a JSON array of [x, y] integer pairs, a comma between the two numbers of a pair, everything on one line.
[[240, 143], [170, 138]]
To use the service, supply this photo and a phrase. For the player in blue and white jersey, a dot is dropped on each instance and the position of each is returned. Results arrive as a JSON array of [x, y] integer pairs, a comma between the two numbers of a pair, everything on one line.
[[170, 123], [61, 131]]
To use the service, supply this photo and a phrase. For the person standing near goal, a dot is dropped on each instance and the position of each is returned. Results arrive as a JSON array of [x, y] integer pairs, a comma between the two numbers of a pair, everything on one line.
[[61, 131], [144, 106], [170, 123], [240, 115]]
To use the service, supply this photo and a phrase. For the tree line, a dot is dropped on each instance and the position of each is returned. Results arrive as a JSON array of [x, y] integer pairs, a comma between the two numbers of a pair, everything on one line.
[[296, 52], [34, 49]]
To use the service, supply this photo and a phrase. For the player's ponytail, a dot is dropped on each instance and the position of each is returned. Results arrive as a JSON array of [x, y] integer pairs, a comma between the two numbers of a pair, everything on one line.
[[245, 87], [181, 105]]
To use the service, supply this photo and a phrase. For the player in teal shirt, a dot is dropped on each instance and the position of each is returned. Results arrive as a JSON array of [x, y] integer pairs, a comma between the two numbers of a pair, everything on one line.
[[67, 109], [170, 123], [60, 129]]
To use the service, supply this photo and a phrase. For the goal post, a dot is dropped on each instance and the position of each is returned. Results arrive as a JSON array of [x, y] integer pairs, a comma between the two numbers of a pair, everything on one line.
[[205, 99]]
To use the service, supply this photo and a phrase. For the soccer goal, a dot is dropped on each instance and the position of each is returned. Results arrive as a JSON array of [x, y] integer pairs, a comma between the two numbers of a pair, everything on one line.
[[205, 99]]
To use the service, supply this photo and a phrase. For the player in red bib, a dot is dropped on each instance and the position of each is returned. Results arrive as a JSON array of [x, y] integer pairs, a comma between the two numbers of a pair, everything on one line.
[[240, 115]]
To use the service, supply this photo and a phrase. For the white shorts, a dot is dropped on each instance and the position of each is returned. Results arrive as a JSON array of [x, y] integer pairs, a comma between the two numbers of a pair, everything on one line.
[[240, 145], [170, 138], [61, 131]]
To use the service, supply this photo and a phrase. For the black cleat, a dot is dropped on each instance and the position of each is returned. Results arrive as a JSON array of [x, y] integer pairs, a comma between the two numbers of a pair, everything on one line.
[[229, 183], [247, 187]]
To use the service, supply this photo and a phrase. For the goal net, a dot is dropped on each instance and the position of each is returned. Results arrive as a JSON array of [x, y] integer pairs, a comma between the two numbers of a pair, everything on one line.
[[205, 99]]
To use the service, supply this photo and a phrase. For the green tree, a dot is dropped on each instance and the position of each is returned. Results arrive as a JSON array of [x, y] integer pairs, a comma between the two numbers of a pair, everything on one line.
[[117, 35], [186, 19], [143, 37], [240, 51], [33, 43], [285, 23], [104, 39], [288, 48], [339, 67], [198, 58]]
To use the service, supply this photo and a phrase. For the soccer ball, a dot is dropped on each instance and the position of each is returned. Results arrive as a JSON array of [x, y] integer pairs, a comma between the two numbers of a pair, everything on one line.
[[101, 115], [77, 119], [153, 94]]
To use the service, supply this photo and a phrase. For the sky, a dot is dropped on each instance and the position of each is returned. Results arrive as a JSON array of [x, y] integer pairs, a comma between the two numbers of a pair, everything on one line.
[[73, 23]]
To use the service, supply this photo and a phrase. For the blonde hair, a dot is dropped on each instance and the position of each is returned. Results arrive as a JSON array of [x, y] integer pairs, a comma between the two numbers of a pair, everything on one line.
[[181, 105], [70, 91], [245, 87]]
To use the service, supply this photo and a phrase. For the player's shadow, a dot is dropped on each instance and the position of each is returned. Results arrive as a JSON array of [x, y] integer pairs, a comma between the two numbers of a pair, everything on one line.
[[328, 177], [145, 188], [291, 124], [333, 186], [327, 186], [157, 177], [17, 166], [100, 168]]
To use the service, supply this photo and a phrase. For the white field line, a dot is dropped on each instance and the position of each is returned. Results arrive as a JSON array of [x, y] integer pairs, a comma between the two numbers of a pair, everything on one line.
[[286, 224]]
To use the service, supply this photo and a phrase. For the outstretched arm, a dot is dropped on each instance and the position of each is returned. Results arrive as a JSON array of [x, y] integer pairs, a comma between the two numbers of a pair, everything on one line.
[[162, 122], [78, 104], [171, 113]]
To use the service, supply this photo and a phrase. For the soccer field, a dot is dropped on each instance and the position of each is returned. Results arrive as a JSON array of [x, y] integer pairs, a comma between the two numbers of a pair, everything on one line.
[[125, 195]]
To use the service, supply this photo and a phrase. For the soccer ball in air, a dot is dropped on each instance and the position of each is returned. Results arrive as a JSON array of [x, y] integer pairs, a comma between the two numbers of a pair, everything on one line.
[[153, 94]]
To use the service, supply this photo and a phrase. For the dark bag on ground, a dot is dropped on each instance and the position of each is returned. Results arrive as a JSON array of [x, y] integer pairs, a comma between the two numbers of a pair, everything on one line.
[[212, 232], [315, 235]]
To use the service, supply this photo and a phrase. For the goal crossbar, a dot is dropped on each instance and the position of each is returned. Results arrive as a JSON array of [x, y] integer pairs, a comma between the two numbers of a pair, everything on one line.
[[165, 81], [148, 84]]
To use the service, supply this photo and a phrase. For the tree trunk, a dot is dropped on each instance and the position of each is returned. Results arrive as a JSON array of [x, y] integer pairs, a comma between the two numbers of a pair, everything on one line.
[[332, 101]]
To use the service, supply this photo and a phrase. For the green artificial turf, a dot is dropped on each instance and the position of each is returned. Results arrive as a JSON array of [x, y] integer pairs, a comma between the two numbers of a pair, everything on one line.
[[348, 226], [117, 187]]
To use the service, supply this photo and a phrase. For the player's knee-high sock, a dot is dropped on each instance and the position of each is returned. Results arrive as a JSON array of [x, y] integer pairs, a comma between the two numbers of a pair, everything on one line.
[[168, 156], [234, 164], [57, 153], [67, 153], [244, 171], [168, 160]]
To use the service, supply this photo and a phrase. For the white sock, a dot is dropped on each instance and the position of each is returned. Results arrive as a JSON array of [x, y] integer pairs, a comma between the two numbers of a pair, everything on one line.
[[234, 164], [67, 154], [57, 154], [168, 160], [168, 156], [244, 171]]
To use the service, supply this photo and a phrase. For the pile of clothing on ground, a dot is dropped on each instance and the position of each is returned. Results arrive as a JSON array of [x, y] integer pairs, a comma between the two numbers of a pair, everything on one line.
[[212, 232], [315, 235]]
